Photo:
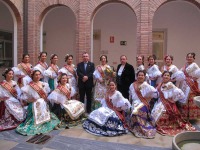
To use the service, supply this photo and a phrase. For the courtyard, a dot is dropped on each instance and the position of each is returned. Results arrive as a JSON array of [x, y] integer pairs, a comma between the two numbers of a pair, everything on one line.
[[77, 139]]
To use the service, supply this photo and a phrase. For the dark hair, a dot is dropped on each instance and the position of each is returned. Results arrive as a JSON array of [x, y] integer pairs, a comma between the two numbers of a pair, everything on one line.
[[67, 57], [122, 56], [141, 57], [103, 56], [24, 55], [193, 54], [172, 58], [152, 56], [33, 73], [143, 71], [60, 76], [7, 70], [40, 54], [170, 73], [52, 56]]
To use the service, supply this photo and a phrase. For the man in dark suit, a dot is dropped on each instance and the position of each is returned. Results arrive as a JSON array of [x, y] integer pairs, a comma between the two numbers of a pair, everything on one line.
[[125, 76], [85, 71]]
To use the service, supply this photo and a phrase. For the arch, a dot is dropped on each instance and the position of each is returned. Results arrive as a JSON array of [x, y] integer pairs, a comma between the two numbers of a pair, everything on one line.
[[97, 5], [155, 5], [180, 24], [17, 22], [106, 31], [67, 32], [41, 9]]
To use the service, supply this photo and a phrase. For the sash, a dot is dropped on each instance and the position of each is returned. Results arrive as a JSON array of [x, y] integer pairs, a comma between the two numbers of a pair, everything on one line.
[[9, 88], [41, 112], [26, 68], [54, 69], [43, 65], [39, 90], [143, 100], [65, 91], [169, 107], [121, 114], [101, 71], [70, 69], [191, 83]]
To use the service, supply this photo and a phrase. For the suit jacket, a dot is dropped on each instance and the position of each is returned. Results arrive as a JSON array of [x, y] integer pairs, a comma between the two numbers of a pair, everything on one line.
[[127, 76], [89, 72]]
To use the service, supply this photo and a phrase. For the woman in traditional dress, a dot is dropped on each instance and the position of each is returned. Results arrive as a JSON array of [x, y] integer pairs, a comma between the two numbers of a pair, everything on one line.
[[153, 71], [141, 122], [140, 66], [109, 120], [68, 111], [52, 72], [42, 66], [191, 87], [70, 70], [177, 75], [169, 120], [39, 119], [23, 70], [11, 110], [102, 79]]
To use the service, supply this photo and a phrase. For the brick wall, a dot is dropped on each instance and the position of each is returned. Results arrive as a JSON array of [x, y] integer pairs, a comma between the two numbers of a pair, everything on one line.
[[84, 11]]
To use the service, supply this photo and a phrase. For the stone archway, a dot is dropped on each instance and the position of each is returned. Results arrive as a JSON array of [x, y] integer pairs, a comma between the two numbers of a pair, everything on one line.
[[13, 26], [109, 31], [181, 21], [58, 33]]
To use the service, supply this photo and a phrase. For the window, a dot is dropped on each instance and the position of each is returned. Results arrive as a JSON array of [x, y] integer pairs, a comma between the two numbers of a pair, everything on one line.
[[6, 49], [159, 46]]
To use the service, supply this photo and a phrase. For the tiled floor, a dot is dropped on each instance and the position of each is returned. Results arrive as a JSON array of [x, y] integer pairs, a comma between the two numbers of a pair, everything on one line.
[[77, 139]]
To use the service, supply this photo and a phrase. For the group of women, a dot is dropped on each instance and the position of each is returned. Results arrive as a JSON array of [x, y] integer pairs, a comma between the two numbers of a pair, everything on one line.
[[42, 98]]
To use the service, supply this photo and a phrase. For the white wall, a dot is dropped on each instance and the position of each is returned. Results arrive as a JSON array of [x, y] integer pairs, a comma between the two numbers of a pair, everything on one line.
[[6, 20], [182, 21], [117, 20], [60, 25]]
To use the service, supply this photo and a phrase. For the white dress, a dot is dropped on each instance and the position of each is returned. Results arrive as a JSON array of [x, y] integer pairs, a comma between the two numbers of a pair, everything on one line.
[[72, 77], [170, 91], [146, 90], [50, 73], [74, 108], [141, 122], [13, 104], [42, 69], [176, 73], [104, 121], [154, 72], [100, 88], [140, 68], [41, 113], [19, 71]]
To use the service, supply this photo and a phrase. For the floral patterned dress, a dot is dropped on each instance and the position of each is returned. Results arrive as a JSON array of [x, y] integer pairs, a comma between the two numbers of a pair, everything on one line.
[[11, 110], [107, 120], [39, 119], [141, 123]]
